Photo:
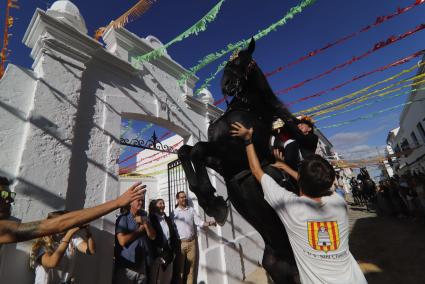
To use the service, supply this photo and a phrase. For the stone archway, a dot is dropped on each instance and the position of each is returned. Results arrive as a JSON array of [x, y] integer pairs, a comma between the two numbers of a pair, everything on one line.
[[60, 124]]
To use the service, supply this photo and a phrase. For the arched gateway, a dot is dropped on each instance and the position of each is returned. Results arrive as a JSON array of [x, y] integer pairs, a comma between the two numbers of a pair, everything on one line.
[[60, 130]]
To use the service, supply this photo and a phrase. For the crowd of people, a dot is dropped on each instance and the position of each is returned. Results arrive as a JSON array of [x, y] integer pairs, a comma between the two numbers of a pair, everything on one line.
[[402, 196], [150, 247]]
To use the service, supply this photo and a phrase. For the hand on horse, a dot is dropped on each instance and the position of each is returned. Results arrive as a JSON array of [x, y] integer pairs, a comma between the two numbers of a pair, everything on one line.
[[239, 130], [278, 155]]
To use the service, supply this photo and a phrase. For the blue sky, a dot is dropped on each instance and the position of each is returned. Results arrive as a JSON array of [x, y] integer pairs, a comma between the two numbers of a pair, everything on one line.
[[324, 22]]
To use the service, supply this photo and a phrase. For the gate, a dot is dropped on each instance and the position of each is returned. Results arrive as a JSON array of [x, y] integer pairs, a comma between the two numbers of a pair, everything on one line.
[[176, 182]]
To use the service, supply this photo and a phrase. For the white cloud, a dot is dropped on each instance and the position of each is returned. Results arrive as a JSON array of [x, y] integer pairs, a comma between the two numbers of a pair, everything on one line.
[[360, 151], [347, 139]]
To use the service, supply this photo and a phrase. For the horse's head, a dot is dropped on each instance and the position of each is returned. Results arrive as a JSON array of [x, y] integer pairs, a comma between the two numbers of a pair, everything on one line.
[[237, 70]]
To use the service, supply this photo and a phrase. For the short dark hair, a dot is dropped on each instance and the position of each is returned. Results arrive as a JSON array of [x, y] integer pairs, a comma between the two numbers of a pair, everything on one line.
[[178, 193], [4, 181], [316, 176]]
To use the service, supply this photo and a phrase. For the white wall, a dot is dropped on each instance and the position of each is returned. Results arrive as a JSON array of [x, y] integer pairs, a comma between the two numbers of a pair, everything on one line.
[[412, 114], [60, 125]]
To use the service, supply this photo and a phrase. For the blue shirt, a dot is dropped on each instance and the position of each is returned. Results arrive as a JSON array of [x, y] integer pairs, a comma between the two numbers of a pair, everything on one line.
[[134, 253]]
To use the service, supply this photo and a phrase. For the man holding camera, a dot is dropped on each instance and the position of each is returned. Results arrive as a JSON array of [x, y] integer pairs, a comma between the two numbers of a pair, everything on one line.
[[131, 247]]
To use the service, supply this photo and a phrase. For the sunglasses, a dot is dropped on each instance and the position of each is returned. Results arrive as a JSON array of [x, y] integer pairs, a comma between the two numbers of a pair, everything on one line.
[[8, 196]]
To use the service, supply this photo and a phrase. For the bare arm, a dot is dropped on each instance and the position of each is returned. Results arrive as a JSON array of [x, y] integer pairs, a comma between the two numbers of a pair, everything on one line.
[[11, 231], [150, 231], [280, 164], [125, 238], [240, 131], [52, 260], [284, 167]]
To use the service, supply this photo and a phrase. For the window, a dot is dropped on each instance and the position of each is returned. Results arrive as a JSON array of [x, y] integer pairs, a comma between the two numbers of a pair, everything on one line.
[[421, 131], [405, 145], [397, 148], [414, 139]]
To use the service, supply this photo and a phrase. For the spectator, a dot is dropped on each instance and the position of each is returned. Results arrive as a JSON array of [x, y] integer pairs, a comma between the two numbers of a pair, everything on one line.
[[420, 189], [12, 231], [339, 190], [185, 219], [316, 222], [132, 230], [53, 257], [165, 245], [396, 201]]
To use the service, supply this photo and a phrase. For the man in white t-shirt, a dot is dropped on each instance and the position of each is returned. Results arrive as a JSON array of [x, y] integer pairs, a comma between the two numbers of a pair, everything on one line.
[[316, 221]]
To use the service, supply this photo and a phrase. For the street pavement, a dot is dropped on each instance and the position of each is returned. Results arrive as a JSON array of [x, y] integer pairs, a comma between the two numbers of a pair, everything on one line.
[[389, 250]]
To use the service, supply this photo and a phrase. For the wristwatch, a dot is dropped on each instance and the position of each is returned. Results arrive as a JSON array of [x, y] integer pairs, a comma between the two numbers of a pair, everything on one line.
[[247, 142]]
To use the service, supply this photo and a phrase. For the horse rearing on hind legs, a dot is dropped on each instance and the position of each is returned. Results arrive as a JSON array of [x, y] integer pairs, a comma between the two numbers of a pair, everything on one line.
[[254, 105]]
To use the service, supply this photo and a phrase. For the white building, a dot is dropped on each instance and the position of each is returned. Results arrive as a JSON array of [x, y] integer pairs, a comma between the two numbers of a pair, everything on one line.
[[60, 123], [411, 132]]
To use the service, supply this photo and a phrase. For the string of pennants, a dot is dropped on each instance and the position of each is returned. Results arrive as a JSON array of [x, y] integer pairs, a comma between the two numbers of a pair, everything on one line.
[[330, 106], [339, 103], [375, 48], [9, 22], [357, 163]]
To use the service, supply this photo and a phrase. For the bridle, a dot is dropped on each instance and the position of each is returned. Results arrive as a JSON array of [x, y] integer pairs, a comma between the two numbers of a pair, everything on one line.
[[248, 69]]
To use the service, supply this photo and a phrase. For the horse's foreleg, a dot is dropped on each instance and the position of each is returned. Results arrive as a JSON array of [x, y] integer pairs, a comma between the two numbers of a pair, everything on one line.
[[184, 156], [202, 156]]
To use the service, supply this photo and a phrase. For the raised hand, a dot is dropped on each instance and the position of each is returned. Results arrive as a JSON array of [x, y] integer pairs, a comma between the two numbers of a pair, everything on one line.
[[239, 130], [278, 155], [136, 191]]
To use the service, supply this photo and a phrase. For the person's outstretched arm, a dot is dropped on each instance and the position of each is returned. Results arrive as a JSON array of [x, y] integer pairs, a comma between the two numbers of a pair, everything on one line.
[[274, 194], [239, 130], [11, 231], [281, 165], [52, 260]]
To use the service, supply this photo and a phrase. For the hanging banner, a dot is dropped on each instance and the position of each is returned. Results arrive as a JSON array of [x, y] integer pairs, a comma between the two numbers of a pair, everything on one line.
[[130, 15], [207, 81], [151, 158], [368, 104], [378, 21], [195, 29], [380, 69], [373, 94], [364, 117], [376, 47], [356, 93], [242, 43]]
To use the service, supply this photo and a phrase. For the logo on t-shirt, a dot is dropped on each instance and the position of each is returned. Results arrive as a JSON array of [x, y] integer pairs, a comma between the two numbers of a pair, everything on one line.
[[323, 236]]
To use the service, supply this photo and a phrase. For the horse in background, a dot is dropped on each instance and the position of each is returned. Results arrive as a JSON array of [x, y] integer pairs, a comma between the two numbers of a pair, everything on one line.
[[367, 187], [254, 105]]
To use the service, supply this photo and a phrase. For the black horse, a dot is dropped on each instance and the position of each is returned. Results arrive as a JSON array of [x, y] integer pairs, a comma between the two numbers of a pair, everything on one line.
[[254, 105], [367, 187]]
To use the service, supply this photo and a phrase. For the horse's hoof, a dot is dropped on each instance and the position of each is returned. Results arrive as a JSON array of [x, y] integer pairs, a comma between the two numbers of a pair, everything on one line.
[[220, 211]]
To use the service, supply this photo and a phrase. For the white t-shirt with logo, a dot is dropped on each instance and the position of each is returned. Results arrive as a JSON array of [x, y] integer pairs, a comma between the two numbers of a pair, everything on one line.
[[64, 271], [318, 233]]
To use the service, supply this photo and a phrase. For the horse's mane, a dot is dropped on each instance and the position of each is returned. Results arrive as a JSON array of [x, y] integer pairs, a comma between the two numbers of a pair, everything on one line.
[[268, 96]]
